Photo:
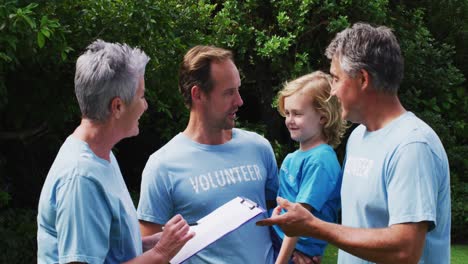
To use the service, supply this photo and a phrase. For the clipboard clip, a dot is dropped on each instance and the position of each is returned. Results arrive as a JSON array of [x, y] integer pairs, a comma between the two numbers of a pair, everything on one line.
[[249, 203]]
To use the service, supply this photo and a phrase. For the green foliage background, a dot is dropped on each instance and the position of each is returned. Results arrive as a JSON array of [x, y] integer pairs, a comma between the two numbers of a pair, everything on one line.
[[273, 41]]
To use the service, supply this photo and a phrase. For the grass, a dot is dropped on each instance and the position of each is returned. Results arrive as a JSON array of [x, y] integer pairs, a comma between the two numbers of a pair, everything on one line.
[[331, 255], [459, 254]]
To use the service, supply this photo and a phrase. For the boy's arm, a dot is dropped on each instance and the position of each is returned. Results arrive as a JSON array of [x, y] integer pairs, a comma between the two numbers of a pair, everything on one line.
[[148, 228], [288, 245], [287, 248]]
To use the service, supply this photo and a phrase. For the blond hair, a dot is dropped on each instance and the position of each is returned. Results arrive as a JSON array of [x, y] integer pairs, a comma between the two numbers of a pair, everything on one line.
[[317, 86]]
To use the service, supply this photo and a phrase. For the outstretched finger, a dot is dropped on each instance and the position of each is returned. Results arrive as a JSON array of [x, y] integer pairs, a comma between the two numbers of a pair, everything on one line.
[[277, 220], [266, 222]]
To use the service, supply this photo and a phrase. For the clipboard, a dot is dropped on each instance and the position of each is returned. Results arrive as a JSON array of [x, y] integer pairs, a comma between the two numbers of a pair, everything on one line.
[[217, 224]]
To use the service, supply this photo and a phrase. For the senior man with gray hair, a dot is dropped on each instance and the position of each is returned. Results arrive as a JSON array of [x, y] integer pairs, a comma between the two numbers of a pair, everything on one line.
[[396, 182]]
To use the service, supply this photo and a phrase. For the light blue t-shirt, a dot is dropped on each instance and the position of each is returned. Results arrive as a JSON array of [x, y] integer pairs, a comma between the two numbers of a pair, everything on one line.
[[312, 177], [85, 211], [398, 174], [192, 179]]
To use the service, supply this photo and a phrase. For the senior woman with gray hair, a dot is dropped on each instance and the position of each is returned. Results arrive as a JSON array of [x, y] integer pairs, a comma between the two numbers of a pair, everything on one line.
[[85, 211]]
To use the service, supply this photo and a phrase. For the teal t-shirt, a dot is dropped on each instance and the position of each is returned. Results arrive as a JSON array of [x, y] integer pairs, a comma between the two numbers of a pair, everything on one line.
[[85, 212], [312, 177]]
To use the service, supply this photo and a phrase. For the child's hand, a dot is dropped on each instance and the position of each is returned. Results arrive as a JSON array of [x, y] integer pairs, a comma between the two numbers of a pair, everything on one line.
[[299, 258]]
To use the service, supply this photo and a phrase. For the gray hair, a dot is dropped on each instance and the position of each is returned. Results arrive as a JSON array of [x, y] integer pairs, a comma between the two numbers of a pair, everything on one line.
[[105, 71], [374, 49]]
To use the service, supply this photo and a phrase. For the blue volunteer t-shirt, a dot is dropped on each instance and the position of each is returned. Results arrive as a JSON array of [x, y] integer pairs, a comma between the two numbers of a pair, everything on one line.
[[85, 211], [398, 174], [312, 177], [192, 179]]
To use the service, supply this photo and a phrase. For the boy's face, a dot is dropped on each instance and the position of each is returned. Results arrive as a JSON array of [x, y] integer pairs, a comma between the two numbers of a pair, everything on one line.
[[303, 121]]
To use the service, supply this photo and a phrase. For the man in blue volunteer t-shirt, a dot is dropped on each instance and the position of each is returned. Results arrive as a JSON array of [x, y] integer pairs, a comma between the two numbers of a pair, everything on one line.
[[396, 182], [211, 162]]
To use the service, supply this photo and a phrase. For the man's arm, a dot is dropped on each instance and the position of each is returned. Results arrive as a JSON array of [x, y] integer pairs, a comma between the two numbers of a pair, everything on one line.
[[149, 228], [271, 186], [399, 243]]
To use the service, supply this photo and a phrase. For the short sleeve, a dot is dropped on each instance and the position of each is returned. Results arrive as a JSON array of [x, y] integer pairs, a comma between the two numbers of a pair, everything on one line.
[[412, 185], [316, 185], [155, 204], [271, 188], [83, 221]]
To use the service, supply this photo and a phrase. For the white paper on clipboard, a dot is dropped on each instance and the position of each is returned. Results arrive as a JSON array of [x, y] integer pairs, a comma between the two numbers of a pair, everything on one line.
[[218, 223]]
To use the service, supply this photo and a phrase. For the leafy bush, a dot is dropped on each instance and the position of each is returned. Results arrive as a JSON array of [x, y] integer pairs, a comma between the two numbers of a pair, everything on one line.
[[459, 212], [18, 231], [273, 41]]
